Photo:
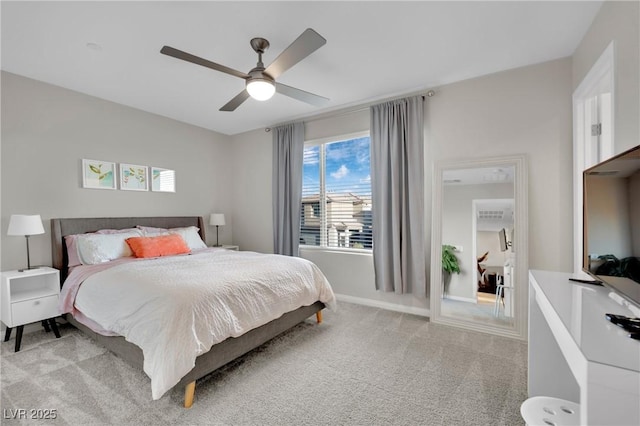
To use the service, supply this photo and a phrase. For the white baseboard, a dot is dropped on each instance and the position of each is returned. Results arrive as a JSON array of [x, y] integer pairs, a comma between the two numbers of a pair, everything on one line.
[[461, 299], [384, 305]]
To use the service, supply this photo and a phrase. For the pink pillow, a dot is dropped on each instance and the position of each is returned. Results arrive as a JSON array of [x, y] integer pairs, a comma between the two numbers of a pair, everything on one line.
[[72, 244], [115, 231], [72, 250], [162, 245], [151, 230]]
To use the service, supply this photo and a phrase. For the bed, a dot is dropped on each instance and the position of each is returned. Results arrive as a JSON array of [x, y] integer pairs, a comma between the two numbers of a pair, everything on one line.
[[220, 353]]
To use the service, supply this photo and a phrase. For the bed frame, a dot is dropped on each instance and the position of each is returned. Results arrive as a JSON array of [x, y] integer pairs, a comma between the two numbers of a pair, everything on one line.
[[221, 353]]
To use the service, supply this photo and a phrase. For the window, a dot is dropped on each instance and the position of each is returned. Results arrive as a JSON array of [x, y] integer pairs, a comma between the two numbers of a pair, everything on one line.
[[336, 194]]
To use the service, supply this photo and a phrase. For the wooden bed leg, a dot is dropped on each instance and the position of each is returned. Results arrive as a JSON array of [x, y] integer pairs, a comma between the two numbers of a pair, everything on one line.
[[319, 317], [189, 392]]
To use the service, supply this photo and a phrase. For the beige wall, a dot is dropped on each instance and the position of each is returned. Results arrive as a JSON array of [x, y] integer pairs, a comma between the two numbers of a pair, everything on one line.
[[522, 111], [251, 199], [48, 130], [617, 21]]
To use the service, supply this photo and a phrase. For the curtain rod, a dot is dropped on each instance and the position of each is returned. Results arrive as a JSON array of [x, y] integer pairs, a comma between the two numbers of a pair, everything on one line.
[[346, 111]]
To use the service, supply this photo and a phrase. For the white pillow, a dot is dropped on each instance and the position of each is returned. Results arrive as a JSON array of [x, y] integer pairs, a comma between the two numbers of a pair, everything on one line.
[[100, 248], [191, 236]]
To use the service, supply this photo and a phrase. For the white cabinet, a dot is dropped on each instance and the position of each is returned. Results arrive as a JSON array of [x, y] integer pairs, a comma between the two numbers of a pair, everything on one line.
[[227, 247], [29, 296], [577, 355]]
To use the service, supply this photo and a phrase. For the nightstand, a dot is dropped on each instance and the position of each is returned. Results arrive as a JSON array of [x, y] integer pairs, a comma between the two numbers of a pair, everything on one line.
[[227, 247], [29, 296]]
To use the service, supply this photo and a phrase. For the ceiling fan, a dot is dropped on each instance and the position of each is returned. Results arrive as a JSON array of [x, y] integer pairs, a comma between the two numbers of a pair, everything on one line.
[[260, 82]]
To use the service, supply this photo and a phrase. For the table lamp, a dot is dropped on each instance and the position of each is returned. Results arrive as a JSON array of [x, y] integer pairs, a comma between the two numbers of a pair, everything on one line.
[[217, 220], [27, 225]]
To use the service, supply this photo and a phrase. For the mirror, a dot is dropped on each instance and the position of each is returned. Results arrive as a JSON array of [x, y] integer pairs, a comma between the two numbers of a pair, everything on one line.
[[480, 219]]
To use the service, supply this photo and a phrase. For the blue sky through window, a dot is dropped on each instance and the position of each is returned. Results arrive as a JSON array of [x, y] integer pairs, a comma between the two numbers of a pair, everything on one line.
[[347, 166]]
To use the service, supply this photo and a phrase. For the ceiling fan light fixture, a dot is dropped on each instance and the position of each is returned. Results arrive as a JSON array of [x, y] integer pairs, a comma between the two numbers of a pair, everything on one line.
[[260, 89]]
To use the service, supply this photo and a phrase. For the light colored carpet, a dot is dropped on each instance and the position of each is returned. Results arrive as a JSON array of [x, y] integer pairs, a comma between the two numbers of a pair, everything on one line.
[[482, 312], [361, 366]]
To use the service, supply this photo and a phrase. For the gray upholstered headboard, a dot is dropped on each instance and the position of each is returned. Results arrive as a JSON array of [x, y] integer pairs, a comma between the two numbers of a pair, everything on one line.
[[62, 227]]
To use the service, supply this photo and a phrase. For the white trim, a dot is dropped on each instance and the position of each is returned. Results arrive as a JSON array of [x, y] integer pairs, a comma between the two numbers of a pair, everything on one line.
[[518, 329], [601, 69], [383, 305], [474, 248], [364, 252], [461, 299], [601, 73], [322, 196]]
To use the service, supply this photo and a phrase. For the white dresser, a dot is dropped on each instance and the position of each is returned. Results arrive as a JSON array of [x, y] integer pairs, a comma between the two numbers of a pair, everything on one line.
[[577, 355]]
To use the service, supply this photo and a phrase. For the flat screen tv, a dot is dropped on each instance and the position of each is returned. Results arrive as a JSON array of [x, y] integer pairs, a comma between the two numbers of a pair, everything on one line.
[[611, 232], [504, 244]]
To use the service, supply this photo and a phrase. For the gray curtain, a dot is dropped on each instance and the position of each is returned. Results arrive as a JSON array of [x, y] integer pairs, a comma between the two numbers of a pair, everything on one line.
[[288, 150], [397, 184]]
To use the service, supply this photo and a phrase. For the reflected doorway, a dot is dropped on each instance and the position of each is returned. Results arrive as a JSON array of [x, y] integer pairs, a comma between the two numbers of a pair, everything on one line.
[[495, 257]]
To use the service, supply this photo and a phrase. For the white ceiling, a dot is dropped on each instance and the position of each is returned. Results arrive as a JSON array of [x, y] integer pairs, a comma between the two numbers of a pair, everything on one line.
[[492, 214], [374, 50], [478, 176]]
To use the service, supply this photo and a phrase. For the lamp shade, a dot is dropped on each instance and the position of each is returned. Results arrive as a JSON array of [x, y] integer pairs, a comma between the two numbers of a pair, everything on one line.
[[216, 219], [23, 224]]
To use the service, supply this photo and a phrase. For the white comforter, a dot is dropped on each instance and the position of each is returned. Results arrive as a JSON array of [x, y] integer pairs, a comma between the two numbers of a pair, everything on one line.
[[175, 308]]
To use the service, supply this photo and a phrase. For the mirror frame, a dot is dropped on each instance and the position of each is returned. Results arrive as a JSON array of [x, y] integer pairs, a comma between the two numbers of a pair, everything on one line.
[[518, 329]]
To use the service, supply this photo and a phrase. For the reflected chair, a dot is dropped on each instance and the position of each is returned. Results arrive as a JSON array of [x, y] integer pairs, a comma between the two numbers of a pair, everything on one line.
[[500, 287]]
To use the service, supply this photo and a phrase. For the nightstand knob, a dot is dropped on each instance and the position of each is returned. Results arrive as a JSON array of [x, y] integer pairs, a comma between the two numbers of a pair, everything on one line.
[[37, 302]]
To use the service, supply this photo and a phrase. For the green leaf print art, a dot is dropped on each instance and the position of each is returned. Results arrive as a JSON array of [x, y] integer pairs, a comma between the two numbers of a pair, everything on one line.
[[133, 178], [98, 174]]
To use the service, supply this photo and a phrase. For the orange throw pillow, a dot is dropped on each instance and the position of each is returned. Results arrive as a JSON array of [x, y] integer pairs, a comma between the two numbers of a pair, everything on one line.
[[163, 245]]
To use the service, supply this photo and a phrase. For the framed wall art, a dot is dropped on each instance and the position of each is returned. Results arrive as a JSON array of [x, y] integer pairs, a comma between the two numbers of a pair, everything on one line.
[[163, 180], [98, 174], [134, 177]]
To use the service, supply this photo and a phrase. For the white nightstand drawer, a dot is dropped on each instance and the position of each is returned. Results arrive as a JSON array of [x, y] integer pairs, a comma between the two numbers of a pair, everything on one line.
[[34, 310]]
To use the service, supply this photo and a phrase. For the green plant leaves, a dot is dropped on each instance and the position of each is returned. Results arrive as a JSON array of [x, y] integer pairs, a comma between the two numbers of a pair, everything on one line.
[[449, 260]]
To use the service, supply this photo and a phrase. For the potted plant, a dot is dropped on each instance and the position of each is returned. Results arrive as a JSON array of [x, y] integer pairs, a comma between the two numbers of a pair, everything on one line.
[[449, 265]]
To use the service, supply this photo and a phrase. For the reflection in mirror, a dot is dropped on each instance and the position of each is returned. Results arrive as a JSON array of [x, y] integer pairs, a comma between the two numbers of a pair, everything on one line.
[[163, 180], [476, 216], [478, 220]]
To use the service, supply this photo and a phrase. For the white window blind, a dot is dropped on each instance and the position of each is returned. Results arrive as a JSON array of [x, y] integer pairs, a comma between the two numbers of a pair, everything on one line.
[[336, 194]]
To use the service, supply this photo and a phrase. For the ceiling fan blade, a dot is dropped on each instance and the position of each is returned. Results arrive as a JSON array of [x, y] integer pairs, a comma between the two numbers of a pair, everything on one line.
[[301, 95], [170, 51], [307, 43], [236, 102]]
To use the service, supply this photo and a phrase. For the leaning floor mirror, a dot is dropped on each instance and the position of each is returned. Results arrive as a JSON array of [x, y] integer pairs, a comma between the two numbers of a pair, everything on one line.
[[479, 245]]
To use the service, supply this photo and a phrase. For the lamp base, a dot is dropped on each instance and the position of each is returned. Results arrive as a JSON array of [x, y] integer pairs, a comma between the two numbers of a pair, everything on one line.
[[217, 245], [28, 268]]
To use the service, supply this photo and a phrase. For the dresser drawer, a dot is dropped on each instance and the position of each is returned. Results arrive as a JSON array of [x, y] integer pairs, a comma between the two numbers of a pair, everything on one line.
[[34, 310]]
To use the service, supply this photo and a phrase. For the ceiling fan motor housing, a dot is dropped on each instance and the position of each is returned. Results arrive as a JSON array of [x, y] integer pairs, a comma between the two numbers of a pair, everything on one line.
[[258, 74]]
